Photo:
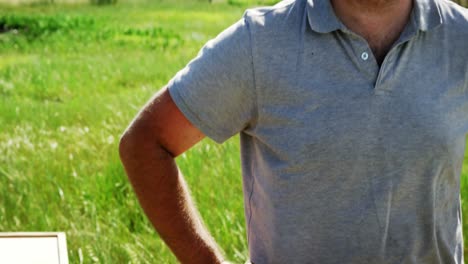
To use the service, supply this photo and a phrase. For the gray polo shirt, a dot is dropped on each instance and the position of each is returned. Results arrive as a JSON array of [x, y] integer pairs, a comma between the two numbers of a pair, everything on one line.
[[343, 161]]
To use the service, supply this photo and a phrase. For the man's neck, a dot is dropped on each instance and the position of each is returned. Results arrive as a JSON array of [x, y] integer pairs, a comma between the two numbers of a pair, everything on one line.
[[369, 6], [380, 22]]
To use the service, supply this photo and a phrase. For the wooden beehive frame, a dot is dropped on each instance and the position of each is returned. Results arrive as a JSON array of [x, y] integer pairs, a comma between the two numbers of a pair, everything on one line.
[[62, 253]]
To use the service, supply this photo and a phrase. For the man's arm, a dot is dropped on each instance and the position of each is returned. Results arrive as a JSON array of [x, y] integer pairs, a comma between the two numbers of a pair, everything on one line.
[[148, 147]]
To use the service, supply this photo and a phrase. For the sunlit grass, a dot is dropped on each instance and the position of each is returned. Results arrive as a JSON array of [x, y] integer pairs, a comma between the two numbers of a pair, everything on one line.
[[65, 98]]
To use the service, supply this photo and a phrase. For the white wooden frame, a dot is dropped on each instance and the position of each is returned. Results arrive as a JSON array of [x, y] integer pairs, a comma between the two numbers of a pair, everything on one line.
[[61, 249]]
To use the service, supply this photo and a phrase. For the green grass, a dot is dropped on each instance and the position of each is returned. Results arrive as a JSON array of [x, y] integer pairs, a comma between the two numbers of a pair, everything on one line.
[[67, 91], [71, 79]]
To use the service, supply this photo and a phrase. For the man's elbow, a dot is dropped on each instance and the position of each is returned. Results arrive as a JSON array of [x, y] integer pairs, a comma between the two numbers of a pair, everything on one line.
[[133, 143], [138, 147], [125, 146], [128, 148]]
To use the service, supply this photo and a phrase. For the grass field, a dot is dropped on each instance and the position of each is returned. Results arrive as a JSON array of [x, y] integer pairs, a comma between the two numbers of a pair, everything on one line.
[[71, 78]]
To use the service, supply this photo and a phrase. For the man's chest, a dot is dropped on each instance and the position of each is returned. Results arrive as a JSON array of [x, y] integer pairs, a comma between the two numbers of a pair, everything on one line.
[[334, 101]]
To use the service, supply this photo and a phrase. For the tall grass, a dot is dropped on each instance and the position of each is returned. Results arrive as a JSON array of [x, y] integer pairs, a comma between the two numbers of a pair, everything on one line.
[[71, 79]]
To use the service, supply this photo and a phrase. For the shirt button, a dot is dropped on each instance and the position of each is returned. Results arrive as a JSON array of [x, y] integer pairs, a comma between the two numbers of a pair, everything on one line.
[[364, 56]]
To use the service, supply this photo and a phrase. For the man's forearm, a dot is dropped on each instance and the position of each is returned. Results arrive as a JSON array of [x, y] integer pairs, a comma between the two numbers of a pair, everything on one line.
[[164, 197]]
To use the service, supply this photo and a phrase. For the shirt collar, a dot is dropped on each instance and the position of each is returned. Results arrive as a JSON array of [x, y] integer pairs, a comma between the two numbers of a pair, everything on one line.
[[322, 18], [426, 14]]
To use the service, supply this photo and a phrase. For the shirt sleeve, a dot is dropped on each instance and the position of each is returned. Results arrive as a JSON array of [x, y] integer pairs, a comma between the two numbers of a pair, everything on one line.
[[215, 90]]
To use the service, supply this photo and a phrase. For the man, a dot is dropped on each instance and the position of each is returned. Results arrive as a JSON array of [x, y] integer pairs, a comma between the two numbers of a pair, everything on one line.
[[352, 116]]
